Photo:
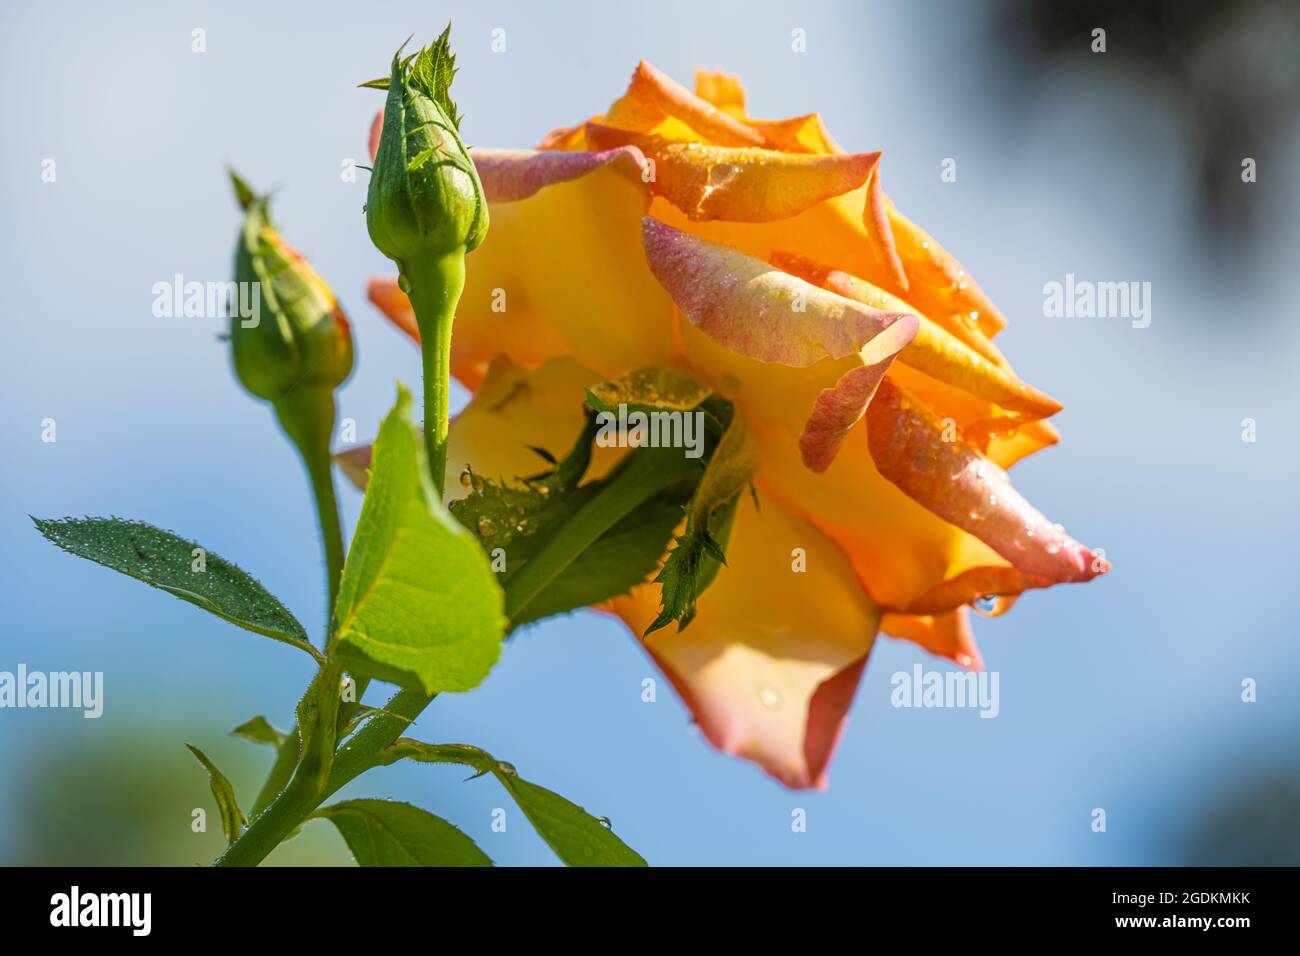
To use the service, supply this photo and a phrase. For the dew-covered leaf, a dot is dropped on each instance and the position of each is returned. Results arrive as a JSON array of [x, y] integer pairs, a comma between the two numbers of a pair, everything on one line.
[[180, 567]]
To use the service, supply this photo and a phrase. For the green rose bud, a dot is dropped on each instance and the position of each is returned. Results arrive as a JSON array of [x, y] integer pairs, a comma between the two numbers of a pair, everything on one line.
[[294, 334], [425, 200], [292, 348]]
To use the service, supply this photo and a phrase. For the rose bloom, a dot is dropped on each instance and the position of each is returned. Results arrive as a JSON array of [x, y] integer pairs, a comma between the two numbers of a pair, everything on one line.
[[675, 230]]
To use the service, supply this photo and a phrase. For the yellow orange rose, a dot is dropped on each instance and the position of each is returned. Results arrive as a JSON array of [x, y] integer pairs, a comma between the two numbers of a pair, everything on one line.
[[675, 230]]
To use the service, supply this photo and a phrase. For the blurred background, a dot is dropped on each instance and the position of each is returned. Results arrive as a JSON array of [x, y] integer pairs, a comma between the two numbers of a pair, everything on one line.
[[1124, 166]]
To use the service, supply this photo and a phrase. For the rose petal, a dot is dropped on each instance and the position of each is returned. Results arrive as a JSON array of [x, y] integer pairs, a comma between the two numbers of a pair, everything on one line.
[[964, 488], [1005, 450], [934, 351], [653, 96], [938, 285], [875, 219], [753, 308], [376, 131], [974, 584], [739, 184], [798, 134], [565, 137], [838, 409], [770, 663], [355, 464], [509, 175], [946, 635], [723, 90]]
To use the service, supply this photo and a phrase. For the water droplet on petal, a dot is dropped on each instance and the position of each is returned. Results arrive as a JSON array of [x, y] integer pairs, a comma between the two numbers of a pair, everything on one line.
[[507, 768], [986, 604], [769, 696]]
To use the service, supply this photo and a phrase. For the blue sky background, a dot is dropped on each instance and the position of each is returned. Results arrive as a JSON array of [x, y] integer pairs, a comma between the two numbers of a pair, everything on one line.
[[1124, 694]]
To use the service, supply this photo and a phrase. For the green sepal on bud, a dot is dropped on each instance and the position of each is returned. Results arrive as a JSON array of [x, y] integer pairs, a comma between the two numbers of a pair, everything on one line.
[[295, 334], [425, 200]]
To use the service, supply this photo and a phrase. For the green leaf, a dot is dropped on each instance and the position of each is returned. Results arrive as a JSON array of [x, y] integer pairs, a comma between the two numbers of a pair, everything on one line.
[[259, 731], [578, 838], [232, 818], [180, 567], [700, 552], [648, 389], [520, 517], [387, 833], [418, 604]]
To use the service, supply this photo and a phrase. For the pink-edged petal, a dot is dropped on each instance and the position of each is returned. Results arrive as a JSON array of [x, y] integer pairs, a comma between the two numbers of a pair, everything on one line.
[[753, 308], [839, 408], [965, 488], [739, 184], [509, 175], [770, 662]]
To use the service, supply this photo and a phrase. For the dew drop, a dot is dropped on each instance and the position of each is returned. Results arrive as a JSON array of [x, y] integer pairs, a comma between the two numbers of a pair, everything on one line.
[[605, 822], [486, 526], [507, 768], [986, 604], [769, 696]]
